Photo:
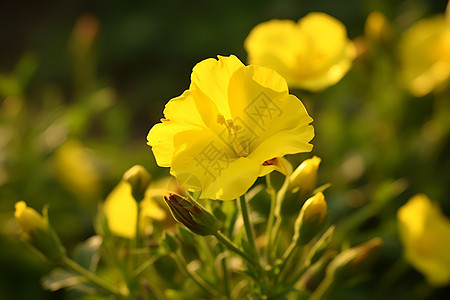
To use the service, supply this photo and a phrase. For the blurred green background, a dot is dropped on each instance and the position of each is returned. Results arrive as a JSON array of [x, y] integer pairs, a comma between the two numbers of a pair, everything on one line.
[[98, 73]]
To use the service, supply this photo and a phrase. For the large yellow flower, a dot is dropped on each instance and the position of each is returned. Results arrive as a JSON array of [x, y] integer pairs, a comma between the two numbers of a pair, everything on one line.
[[425, 234], [312, 54], [424, 51], [219, 135]]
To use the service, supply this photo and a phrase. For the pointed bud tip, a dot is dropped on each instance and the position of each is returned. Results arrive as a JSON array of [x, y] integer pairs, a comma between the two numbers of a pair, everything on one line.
[[315, 208], [192, 215]]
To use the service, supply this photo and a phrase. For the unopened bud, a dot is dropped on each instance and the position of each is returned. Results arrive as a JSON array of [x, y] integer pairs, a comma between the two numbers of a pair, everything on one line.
[[377, 28], [139, 179], [305, 176], [38, 232], [192, 215], [353, 260], [310, 220]]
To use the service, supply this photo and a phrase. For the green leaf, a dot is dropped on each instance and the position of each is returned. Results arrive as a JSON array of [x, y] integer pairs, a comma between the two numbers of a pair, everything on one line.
[[58, 279], [87, 253]]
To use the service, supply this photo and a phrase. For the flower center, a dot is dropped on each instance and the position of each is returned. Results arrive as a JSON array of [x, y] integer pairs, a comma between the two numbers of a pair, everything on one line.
[[236, 136]]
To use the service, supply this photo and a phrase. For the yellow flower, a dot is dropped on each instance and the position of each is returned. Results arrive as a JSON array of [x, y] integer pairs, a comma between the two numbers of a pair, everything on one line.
[[75, 170], [425, 234], [424, 52], [120, 209], [222, 133], [312, 54]]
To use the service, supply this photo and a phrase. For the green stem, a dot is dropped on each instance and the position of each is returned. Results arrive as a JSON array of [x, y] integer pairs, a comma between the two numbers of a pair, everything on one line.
[[138, 225], [210, 290], [273, 201], [93, 278], [226, 283], [247, 224], [286, 256], [322, 289], [277, 212], [231, 246]]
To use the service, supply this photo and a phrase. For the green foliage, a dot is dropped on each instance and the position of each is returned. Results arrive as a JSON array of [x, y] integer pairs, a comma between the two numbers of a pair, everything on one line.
[[103, 84]]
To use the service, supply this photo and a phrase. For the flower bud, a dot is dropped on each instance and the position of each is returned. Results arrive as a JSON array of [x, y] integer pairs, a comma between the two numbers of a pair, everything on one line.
[[139, 179], [305, 176], [353, 260], [192, 215], [309, 222], [38, 232], [377, 28]]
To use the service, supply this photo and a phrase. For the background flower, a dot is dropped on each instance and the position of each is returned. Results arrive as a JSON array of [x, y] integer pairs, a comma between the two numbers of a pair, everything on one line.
[[121, 210], [424, 52], [425, 233], [312, 54]]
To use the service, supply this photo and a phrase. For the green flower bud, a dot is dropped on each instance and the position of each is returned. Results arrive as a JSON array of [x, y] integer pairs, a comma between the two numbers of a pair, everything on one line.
[[309, 222], [305, 176], [192, 215], [353, 260], [139, 179], [38, 231]]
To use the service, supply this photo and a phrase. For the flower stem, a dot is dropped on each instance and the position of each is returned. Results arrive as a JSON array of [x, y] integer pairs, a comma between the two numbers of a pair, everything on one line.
[[231, 246], [322, 289], [247, 224], [196, 278], [226, 283], [93, 278], [138, 225], [275, 214], [286, 256], [271, 218]]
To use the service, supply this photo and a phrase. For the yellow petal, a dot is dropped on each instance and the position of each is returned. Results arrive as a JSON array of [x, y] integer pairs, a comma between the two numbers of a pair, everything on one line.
[[425, 234], [272, 42], [160, 138], [205, 162], [121, 210], [211, 77], [291, 132], [182, 113], [268, 115]]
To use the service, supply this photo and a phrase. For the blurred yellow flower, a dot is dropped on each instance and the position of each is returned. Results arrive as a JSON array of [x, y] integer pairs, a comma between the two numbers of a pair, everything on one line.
[[377, 28], [120, 210], [312, 54], [75, 170], [424, 53], [223, 132], [425, 234]]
